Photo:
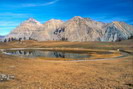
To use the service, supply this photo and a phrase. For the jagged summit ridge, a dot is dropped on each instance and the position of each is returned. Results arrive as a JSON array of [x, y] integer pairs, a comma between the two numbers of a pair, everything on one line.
[[31, 21], [77, 17], [75, 29]]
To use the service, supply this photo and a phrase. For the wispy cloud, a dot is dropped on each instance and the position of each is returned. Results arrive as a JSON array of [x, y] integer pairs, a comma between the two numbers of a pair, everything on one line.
[[42, 4], [8, 21], [8, 14], [33, 4], [12, 19]]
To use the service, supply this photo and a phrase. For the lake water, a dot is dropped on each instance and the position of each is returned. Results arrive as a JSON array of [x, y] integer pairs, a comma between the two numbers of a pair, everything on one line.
[[47, 54]]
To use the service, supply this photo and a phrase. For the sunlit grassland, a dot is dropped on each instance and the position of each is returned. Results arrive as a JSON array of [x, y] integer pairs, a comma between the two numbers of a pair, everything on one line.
[[46, 73]]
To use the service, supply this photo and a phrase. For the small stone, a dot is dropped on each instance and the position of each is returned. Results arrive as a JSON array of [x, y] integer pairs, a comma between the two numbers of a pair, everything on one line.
[[6, 77]]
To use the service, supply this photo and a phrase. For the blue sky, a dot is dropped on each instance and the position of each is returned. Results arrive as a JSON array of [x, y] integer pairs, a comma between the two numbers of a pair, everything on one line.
[[13, 12]]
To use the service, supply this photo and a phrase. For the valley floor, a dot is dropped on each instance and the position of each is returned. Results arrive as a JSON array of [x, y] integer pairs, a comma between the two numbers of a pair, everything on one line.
[[45, 74]]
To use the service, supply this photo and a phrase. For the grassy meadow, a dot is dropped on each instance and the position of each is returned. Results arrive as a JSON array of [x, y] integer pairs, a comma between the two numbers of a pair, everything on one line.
[[44, 73]]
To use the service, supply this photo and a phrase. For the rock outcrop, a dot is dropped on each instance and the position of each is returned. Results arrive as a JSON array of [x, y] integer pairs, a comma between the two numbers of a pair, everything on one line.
[[6, 77]]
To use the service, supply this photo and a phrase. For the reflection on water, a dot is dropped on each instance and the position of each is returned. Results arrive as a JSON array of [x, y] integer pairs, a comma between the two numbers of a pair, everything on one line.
[[48, 54]]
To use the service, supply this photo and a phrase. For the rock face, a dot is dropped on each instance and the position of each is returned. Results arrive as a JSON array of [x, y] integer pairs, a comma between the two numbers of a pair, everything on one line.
[[75, 29], [47, 31], [81, 29], [117, 31]]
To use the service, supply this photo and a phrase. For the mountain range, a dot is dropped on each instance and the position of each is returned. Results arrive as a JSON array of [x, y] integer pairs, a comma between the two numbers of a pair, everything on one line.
[[76, 29]]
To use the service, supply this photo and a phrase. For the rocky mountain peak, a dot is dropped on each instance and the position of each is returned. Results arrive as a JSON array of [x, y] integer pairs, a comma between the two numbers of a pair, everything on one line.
[[80, 20], [54, 21], [33, 21], [77, 17], [122, 24], [75, 20], [25, 29]]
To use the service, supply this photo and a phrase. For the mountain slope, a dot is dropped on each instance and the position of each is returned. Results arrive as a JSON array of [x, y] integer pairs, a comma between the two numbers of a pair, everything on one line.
[[47, 31], [25, 30], [117, 31], [81, 29]]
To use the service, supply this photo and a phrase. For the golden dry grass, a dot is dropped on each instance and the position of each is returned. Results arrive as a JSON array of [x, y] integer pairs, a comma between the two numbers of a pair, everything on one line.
[[103, 56], [43, 74]]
